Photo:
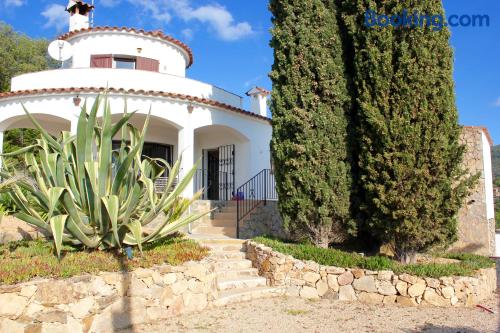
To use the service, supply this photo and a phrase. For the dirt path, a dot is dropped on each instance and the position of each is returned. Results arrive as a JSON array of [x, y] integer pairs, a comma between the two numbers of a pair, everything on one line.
[[294, 315]]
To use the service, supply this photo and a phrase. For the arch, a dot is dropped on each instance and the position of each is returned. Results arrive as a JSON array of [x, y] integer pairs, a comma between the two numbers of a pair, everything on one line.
[[53, 124], [222, 130]]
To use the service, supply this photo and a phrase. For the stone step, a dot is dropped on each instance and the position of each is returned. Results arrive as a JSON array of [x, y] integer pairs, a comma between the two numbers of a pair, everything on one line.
[[217, 223], [241, 295], [227, 244], [229, 254], [237, 273], [225, 231], [241, 283], [228, 264], [225, 216]]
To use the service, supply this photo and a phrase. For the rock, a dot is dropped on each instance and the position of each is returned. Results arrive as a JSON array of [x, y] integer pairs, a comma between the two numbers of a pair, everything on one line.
[[167, 297], [33, 308], [122, 314], [365, 283], [416, 289], [112, 278], [431, 297], [432, 283], [179, 287], [142, 273], [385, 275], [406, 301], [194, 302], [345, 278], [99, 287], [389, 299], [198, 271], [11, 326], [28, 291], [454, 300], [334, 270], [358, 273], [12, 305], [408, 278], [65, 294], [195, 286], [446, 280], [311, 278], [346, 293], [156, 313], [308, 292], [169, 278], [321, 287], [82, 307], [448, 292], [292, 291], [60, 317], [386, 288], [370, 298], [332, 282], [157, 278], [402, 288]]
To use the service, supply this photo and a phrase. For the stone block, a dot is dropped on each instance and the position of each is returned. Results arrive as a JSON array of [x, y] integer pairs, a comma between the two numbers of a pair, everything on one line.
[[370, 298], [365, 283], [311, 278], [346, 293], [386, 288], [406, 301], [12, 305], [308, 292], [332, 282], [402, 288], [345, 278], [322, 287], [358, 273], [416, 289]]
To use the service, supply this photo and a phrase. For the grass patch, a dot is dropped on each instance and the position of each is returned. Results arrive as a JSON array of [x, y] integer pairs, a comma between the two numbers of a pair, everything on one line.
[[24, 260], [297, 312], [468, 265]]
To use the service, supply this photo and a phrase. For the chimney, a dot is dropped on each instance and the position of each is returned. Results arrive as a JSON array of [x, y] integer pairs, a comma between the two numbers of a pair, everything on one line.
[[79, 13], [258, 100]]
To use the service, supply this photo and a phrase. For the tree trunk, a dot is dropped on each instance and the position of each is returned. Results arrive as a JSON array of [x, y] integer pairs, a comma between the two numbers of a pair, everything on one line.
[[321, 238], [406, 257]]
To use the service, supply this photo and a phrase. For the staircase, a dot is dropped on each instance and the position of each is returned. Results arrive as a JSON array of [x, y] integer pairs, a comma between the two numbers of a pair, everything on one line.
[[222, 222], [237, 280]]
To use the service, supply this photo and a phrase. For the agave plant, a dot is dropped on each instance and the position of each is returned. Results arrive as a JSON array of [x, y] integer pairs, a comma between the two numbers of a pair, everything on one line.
[[85, 193]]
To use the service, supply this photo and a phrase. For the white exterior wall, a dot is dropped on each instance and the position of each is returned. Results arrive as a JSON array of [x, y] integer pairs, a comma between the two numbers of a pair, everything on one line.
[[169, 118], [488, 178], [173, 59], [123, 78]]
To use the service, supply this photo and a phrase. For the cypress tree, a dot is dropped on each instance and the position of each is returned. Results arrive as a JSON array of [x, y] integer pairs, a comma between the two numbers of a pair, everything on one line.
[[410, 158], [310, 102]]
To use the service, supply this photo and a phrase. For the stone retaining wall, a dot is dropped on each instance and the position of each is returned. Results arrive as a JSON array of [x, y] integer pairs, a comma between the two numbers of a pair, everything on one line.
[[108, 301], [310, 280]]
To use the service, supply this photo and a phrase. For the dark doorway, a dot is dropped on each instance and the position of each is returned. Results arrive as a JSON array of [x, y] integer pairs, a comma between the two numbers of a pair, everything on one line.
[[213, 174], [153, 150]]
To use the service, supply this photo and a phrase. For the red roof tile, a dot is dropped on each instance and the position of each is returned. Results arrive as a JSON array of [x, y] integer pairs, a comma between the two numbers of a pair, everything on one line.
[[156, 33]]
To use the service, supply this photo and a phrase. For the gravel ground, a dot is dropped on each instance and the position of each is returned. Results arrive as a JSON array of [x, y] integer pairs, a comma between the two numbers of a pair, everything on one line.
[[292, 315]]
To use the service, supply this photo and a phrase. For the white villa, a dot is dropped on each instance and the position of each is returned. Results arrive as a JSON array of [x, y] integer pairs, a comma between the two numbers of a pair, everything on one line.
[[147, 70]]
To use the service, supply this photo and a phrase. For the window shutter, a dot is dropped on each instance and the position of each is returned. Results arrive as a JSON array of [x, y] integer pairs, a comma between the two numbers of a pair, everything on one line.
[[147, 64], [101, 61]]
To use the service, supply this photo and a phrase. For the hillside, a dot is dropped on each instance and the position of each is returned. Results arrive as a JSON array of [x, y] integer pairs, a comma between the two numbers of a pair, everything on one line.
[[495, 159]]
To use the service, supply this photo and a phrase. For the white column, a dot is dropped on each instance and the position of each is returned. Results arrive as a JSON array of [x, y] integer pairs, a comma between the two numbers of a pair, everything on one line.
[[75, 113], [1, 149], [185, 149]]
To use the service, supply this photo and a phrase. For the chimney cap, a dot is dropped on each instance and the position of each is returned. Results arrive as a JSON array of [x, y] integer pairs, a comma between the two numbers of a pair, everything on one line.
[[80, 4], [258, 91]]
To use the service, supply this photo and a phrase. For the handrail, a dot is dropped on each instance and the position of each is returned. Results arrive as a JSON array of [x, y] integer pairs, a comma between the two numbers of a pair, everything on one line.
[[256, 191]]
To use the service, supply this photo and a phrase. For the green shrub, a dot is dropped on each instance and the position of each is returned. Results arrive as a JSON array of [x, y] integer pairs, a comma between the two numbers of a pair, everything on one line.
[[467, 266]]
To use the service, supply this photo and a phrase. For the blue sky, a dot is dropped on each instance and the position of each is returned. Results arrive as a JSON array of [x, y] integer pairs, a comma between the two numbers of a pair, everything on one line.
[[230, 41]]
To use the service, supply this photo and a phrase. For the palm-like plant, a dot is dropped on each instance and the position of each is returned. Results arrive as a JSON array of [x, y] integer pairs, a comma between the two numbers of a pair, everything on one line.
[[85, 193]]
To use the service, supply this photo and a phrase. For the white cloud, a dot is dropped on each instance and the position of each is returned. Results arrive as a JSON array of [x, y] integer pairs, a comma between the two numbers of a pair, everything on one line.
[[217, 17], [56, 17], [13, 3], [188, 34], [497, 103]]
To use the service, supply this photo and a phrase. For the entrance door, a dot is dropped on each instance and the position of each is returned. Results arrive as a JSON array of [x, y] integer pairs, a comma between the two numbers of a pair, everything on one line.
[[213, 174]]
